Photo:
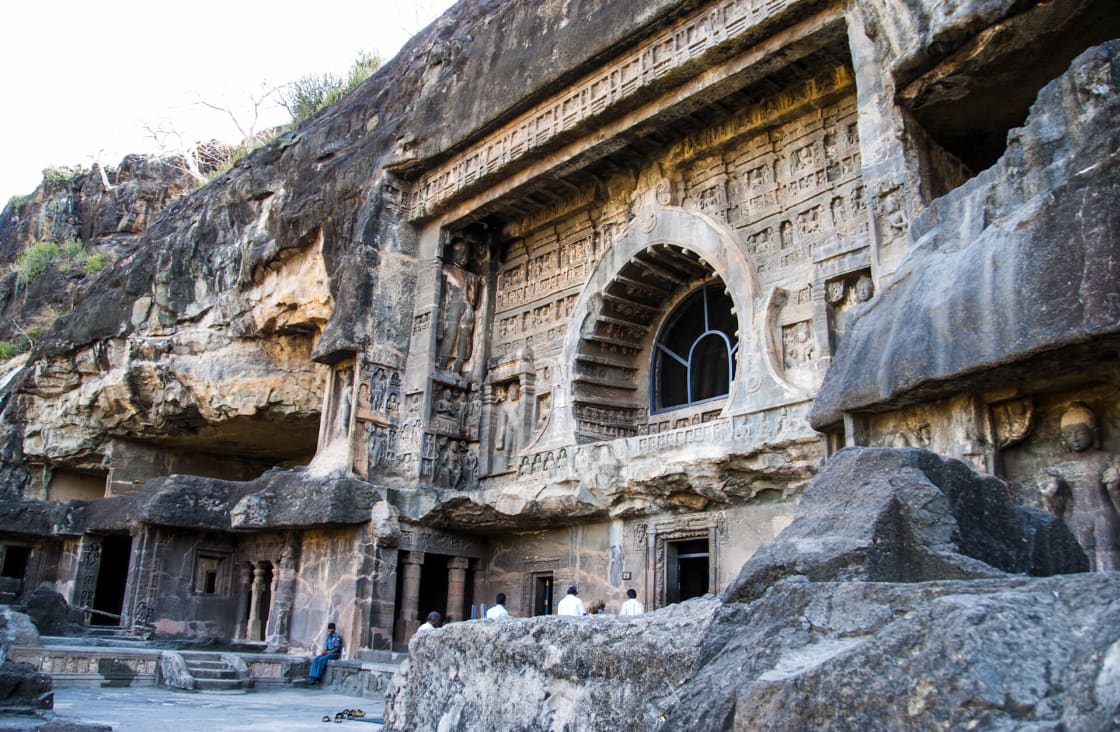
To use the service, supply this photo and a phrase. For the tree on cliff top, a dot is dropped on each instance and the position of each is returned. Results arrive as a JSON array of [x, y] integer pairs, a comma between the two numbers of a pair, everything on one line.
[[308, 94]]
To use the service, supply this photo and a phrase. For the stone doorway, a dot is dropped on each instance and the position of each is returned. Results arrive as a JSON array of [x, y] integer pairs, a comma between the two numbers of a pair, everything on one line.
[[13, 560], [688, 570], [112, 576], [682, 555], [433, 586], [543, 586], [13, 566]]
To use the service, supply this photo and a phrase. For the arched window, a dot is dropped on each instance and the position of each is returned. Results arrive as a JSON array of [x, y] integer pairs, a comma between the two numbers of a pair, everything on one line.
[[694, 359]]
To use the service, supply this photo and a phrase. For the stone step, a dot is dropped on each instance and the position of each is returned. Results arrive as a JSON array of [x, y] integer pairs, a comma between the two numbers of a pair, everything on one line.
[[206, 673], [193, 664], [218, 684]]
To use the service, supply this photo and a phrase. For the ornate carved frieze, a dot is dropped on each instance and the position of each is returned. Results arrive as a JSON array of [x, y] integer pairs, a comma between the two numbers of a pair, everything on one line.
[[637, 69]]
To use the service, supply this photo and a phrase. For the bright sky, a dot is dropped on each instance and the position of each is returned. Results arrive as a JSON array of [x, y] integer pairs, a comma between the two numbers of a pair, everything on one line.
[[84, 79]]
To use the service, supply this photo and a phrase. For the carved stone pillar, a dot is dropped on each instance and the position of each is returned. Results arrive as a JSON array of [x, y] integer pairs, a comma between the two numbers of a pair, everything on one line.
[[244, 594], [478, 583], [456, 587], [383, 597], [410, 591], [256, 604], [283, 597]]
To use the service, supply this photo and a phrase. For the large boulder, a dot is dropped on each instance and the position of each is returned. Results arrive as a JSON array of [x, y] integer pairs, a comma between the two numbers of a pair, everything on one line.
[[900, 597], [50, 612], [550, 672], [1009, 654], [24, 690], [16, 629], [909, 515]]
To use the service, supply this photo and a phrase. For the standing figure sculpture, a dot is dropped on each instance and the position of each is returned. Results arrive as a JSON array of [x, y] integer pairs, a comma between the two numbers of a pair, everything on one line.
[[1083, 489], [343, 400], [508, 433], [460, 300]]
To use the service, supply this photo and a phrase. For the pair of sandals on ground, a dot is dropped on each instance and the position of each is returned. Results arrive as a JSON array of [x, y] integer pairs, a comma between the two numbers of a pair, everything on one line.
[[345, 714]]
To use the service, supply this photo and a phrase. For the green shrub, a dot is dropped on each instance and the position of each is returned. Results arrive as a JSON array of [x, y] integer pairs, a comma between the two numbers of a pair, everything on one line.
[[75, 254], [17, 201], [21, 343], [94, 262], [308, 94], [232, 155], [33, 262], [73, 249], [56, 175]]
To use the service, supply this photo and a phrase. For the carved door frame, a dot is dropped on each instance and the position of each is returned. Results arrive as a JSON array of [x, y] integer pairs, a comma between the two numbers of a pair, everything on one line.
[[534, 568], [655, 538]]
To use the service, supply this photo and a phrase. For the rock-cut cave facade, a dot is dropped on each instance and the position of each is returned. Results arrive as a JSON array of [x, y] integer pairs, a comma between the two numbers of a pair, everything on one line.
[[608, 329]]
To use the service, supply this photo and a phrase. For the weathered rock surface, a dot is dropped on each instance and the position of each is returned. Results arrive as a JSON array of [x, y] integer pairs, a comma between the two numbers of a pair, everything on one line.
[[921, 517], [50, 612], [555, 673], [278, 499], [16, 629], [852, 618], [23, 690], [997, 276]]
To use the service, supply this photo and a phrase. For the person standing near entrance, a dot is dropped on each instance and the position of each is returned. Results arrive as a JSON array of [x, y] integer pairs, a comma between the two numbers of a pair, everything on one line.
[[499, 609], [632, 606], [332, 651], [571, 604]]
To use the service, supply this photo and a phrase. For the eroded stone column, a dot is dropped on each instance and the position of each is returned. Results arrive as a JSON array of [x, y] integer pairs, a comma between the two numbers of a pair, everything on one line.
[[410, 600], [456, 587], [260, 589], [478, 583], [283, 597], [245, 593], [384, 597]]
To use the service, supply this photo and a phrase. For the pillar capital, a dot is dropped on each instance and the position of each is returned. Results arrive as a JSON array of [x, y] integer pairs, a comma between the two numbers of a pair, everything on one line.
[[458, 563]]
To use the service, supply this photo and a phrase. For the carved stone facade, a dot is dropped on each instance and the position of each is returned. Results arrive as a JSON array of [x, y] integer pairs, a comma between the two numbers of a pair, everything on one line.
[[579, 339]]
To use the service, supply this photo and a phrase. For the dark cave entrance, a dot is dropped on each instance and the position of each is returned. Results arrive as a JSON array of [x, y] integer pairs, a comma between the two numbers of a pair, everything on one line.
[[13, 561], [688, 570], [112, 576], [961, 109]]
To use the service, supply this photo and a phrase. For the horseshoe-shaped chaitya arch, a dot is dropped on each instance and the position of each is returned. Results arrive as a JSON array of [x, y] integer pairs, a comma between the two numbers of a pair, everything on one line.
[[661, 258]]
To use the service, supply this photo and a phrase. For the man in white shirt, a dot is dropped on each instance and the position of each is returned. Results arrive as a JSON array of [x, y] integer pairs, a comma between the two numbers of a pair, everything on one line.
[[499, 609], [434, 619], [571, 604], [631, 606]]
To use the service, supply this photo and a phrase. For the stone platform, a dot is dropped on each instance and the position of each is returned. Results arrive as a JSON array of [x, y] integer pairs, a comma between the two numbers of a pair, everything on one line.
[[136, 664], [163, 710]]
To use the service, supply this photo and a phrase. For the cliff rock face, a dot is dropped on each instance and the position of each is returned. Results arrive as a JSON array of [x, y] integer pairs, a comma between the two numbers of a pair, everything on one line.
[[562, 295], [826, 643], [999, 255]]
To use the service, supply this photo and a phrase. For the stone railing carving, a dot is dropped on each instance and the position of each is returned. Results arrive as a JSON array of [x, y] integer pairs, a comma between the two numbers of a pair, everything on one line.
[[591, 462]]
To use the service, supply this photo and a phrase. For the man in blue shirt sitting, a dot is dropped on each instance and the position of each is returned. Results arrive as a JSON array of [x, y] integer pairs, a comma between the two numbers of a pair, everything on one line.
[[332, 651]]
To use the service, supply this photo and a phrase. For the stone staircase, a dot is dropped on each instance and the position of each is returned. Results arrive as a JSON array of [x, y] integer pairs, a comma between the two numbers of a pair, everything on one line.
[[201, 671]]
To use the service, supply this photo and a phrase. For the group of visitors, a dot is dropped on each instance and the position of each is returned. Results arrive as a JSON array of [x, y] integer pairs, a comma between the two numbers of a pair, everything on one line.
[[571, 604]]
